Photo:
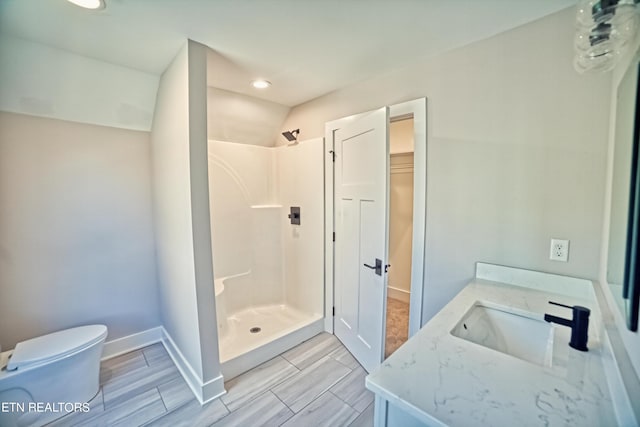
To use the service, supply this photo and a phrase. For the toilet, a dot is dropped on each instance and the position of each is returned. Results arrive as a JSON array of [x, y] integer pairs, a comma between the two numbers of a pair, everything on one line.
[[45, 378]]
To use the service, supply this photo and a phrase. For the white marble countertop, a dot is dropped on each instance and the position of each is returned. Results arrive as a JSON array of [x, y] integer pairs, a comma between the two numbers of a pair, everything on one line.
[[442, 379]]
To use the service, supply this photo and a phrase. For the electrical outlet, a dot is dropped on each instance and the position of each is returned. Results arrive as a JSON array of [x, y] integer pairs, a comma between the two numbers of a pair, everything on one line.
[[559, 250]]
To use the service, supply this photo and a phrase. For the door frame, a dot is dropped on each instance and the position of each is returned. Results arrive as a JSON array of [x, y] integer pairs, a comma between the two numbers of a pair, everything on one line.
[[416, 109]]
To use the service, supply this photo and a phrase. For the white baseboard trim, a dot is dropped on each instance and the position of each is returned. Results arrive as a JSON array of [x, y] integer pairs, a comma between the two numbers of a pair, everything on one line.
[[213, 389], [204, 392], [132, 342], [399, 294]]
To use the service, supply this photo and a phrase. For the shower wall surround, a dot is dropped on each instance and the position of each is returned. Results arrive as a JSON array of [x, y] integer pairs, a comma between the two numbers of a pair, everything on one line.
[[269, 273], [244, 222], [300, 182]]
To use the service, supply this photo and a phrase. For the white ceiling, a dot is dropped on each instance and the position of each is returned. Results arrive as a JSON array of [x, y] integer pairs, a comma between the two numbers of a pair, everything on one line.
[[306, 48]]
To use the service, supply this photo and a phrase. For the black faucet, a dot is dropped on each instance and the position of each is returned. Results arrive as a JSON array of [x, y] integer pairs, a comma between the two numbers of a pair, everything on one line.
[[579, 325]]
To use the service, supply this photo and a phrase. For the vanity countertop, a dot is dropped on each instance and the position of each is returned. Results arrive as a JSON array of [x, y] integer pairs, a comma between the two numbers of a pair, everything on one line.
[[442, 379]]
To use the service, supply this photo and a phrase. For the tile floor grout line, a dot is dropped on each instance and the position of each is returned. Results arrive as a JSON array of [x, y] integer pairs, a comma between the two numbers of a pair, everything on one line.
[[342, 400], [355, 419], [323, 391], [286, 406], [166, 410], [293, 414], [220, 419], [347, 351], [169, 412], [343, 364], [290, 363], [250, 400], [339, 379], [316, 398], [276, 357], [286, 379], [280, 381], [223, 404], [328, 389], [323, 356], [277, 378], [368, 406], [145, 357], [229, 412]]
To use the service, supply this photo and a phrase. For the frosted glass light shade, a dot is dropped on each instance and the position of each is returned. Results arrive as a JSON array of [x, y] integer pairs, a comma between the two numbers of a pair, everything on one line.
[[89, 4], [260, 84], [603, 31]]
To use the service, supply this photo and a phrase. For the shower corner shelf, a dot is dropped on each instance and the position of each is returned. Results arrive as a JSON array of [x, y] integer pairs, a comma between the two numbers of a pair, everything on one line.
[[266, 206]]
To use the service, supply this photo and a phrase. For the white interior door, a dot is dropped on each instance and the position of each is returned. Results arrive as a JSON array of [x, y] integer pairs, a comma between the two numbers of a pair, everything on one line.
[[361, 180]]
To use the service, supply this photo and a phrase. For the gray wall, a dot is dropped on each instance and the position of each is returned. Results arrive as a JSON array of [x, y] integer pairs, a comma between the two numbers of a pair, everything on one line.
[[516, 152], [76, 237], [49, 82], [181, 212], [234, 117]]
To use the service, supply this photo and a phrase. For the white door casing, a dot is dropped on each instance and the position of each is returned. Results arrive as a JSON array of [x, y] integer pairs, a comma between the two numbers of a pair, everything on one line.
[[361, 209]]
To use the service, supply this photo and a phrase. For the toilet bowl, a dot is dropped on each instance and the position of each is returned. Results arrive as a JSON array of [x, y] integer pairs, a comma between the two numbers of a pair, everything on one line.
[[45, 378]]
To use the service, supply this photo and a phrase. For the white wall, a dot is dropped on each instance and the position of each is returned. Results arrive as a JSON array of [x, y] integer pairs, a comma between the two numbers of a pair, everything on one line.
[[181, 212], [239, 117], [516, 149], [44, 81], [244, 119], [76, 236], [300, 172]]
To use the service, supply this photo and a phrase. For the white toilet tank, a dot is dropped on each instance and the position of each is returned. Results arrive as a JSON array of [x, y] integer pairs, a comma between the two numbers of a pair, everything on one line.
[[45, 378]]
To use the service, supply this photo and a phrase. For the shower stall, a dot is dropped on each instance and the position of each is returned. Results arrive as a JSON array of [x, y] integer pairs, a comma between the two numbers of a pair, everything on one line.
[[268, 262]]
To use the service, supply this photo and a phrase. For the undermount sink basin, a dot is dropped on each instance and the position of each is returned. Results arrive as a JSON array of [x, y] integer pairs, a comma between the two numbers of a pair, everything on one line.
[[513, 332]]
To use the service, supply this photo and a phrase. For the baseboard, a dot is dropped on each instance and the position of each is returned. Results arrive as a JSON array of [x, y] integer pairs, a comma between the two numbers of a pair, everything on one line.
[[132, 342], [204, 392], [399, 294], [212, 389]]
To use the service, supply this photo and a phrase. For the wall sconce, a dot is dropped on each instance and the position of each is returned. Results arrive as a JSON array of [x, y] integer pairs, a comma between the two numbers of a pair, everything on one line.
[[604, 30]]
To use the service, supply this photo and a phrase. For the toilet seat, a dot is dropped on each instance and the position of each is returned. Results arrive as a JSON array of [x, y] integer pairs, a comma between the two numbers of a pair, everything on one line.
[[57, 345]]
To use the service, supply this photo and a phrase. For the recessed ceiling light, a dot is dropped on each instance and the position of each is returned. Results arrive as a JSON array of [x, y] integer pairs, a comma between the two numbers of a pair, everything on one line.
[[260, 84], [89, 4]]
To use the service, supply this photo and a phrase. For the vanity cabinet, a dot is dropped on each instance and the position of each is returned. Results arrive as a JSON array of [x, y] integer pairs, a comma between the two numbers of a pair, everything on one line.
[[444, 377], [389, 415]]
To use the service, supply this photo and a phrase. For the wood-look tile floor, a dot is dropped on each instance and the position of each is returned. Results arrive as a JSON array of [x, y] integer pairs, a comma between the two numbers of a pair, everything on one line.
[[317, 383]]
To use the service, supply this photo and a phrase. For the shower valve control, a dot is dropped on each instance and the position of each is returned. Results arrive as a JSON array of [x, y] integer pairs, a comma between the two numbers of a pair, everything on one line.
[[294, 216]]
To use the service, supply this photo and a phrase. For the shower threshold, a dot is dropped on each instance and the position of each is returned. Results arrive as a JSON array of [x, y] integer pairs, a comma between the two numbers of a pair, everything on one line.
[[257, 334]]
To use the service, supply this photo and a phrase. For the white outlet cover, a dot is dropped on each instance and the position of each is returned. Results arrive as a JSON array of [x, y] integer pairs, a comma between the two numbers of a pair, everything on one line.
[[559, 250]]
